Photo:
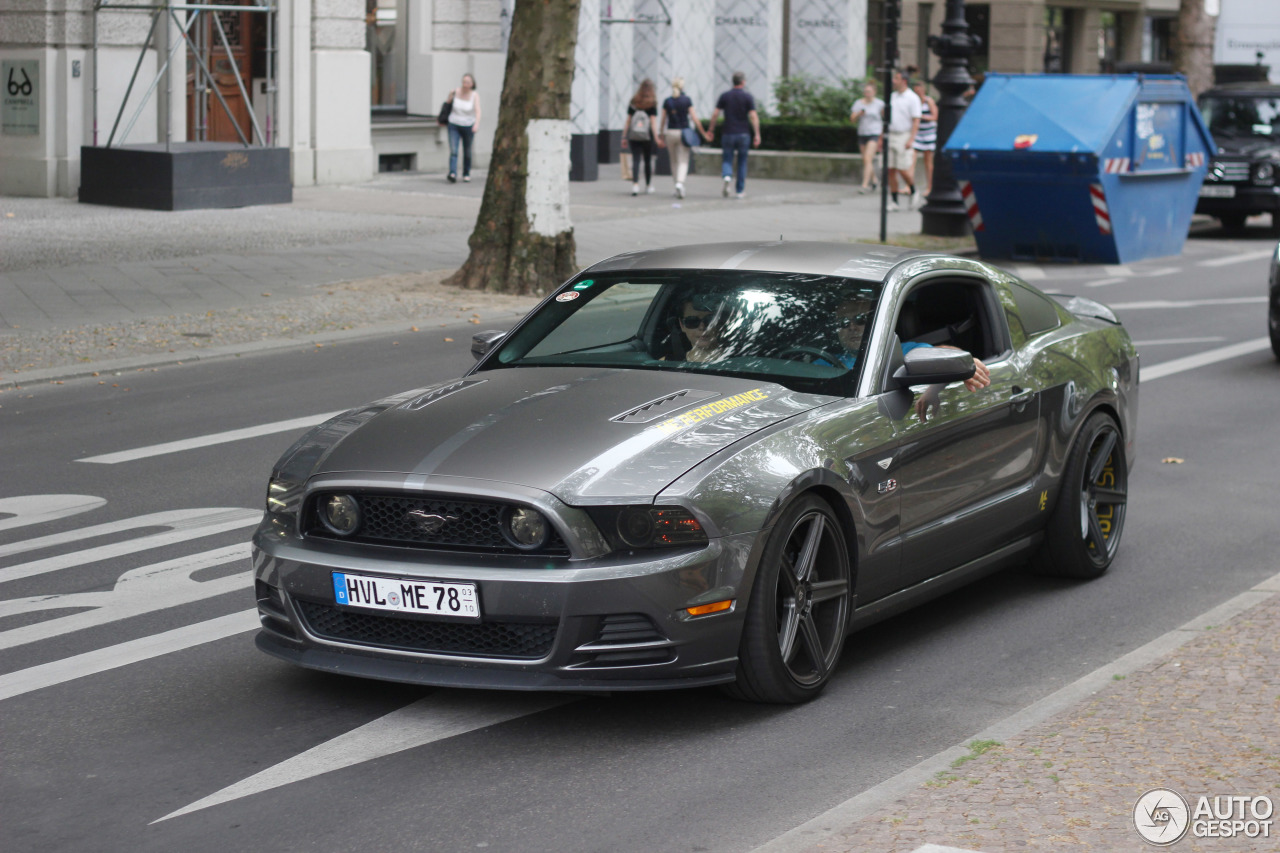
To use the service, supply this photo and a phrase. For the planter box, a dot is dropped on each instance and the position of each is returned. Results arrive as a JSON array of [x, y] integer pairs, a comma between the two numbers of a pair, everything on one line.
[[789, 165], [189, 176]]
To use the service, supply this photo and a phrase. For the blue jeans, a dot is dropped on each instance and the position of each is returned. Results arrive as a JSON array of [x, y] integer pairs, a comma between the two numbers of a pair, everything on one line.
[[464, 133], [741, 143]]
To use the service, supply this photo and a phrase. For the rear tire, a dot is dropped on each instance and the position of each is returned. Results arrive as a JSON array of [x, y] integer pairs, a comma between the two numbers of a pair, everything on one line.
[[1083, 534], [1273, 324], [799, 608], [1232, 223]]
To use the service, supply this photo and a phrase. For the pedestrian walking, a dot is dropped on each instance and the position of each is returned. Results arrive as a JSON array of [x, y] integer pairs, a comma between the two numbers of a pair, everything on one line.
[[868, 114], [927, 136], [679, 132], [741, 132], [464, 121], [904, 122], [638, 133]]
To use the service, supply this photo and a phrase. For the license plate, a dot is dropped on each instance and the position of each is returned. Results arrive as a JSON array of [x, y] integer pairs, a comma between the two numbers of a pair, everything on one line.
[[434, 598], [1217, 191]]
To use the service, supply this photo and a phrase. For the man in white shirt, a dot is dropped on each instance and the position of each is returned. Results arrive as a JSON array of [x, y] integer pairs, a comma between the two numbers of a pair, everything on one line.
[[904, 121]]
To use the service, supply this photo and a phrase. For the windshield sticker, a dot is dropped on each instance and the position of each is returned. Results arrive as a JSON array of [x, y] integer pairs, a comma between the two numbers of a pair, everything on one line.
[[567, 296], [710, 410], [583, 285]]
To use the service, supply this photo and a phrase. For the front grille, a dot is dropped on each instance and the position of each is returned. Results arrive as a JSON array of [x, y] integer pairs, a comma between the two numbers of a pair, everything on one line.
[[484, 639], [1229, 170], [469, 525]]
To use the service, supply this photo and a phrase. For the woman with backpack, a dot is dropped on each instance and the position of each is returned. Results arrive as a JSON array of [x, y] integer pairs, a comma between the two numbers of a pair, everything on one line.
[[638, 133], [679, 132]]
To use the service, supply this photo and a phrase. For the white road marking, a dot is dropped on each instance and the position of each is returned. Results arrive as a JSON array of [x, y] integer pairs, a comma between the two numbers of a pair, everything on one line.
[[210, 439], [1157, 343], [142, 590], [1178, 365], [1185, 303], [441, 715], [1103, 282], [183, 524], [1158, 271], [37, 509], [1237, 259], [90, 663]]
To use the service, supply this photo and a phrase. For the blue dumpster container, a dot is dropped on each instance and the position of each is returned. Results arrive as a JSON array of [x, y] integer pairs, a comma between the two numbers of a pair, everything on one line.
[[1082, 168]]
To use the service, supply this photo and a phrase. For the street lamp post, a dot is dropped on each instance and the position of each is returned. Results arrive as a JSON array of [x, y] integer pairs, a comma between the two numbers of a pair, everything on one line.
[[944, 213]]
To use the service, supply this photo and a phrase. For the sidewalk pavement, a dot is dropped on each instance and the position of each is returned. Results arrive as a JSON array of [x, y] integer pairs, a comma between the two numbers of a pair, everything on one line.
[[79, 283], [86, 289]]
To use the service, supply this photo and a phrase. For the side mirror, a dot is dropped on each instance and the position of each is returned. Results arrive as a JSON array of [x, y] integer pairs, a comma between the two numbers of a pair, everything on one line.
[[482, 343], [934, 366]]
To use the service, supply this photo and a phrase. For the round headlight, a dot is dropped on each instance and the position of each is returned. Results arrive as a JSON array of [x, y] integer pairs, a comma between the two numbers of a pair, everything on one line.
[[635, 527], [526, 528], [340, 513], [1264, 173]]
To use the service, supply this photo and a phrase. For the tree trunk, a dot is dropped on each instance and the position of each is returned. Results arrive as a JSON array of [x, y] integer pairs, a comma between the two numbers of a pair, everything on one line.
[[1193, 45], [523, 239]]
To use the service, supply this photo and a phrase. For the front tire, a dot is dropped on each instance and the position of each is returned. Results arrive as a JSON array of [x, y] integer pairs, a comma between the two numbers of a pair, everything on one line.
[[1273, 323], [1083, 533], [799, 608]]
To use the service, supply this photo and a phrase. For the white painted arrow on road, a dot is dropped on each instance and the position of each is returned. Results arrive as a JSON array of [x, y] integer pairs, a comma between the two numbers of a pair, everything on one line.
[[439, 716]]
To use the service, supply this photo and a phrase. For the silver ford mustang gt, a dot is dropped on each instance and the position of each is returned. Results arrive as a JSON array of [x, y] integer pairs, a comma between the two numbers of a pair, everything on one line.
[[703, 465]]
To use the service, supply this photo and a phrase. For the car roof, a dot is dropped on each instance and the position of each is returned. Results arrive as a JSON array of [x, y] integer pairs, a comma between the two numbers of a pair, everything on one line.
[[849, 260], [1270, 90]]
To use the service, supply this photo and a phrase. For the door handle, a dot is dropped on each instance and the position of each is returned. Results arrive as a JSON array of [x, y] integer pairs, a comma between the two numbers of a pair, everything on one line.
[[1020, 398]]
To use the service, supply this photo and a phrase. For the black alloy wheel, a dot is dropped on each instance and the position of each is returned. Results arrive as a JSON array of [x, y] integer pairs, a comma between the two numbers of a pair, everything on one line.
[[1083, 533], [799, 608]]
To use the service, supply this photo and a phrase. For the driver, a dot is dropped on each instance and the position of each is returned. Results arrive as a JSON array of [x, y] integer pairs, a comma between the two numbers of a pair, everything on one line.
[[852, 318]]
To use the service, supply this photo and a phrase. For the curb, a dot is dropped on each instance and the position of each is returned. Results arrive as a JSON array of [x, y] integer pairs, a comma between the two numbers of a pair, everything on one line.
[[837, 819]]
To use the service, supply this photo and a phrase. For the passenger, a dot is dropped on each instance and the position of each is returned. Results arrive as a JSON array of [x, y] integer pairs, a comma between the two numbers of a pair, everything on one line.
[[853, 317]]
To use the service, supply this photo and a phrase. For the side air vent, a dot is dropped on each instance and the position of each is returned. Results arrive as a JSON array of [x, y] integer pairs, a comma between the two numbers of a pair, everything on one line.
[[440, 393], [624, 639], [655, 409]]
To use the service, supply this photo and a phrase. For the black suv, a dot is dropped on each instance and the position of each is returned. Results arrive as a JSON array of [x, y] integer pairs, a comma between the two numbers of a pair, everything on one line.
[[1244, 119]]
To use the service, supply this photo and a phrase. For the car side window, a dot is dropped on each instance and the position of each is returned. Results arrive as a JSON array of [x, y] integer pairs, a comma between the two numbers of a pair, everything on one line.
[[953, 313], [1036, 313]]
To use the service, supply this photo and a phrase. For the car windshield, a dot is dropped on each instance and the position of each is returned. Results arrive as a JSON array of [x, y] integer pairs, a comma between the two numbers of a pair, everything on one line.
[[805, 332], [1242, 115]]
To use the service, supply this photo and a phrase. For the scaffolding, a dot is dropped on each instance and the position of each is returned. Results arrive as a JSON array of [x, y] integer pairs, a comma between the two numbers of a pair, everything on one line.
[[204, 20]]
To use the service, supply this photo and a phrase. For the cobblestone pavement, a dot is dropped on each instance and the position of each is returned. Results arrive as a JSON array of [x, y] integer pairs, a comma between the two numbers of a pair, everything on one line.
[[1202, 720]]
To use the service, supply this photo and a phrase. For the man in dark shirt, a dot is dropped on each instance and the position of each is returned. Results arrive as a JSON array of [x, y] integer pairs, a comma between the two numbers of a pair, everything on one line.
[[741, 131]]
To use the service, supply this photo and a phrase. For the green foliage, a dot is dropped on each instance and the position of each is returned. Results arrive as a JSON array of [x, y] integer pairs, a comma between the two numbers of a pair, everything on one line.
[[802, 98]]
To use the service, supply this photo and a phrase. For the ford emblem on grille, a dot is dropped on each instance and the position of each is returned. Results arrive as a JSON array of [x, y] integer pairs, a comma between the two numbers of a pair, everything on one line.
[[428, 522]]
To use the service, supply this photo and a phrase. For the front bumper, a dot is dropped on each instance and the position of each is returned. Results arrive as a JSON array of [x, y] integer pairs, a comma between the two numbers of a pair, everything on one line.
[[1249, 199], [604, 624]]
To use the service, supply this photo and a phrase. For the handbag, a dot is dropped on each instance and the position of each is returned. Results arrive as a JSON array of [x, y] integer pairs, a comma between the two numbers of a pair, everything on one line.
[[442, 117], [689, 137]]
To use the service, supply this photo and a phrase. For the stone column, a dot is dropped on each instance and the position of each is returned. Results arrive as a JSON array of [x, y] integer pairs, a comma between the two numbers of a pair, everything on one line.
[[584, 101], [617, 57]]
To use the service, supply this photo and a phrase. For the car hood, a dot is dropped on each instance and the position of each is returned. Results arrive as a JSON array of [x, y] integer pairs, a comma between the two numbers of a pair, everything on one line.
[[586, 435], [1254, 147]]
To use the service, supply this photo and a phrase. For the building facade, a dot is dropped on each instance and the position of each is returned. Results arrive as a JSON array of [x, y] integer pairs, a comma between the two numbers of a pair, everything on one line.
[[352, 87]]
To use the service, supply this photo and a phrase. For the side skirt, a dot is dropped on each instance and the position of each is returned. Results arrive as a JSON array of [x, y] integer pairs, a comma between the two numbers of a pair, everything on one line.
[[892, 605]]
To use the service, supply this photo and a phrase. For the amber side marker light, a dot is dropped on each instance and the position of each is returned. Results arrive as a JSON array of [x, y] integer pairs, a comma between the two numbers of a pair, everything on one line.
[[704, 609]]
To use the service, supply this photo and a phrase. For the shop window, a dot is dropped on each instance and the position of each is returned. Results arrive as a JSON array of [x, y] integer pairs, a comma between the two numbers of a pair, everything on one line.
[[1157, 40], [1057, 40], [386, 28]]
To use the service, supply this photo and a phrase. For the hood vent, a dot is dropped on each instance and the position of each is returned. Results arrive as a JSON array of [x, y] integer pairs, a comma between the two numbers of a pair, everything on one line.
[[655, 409], [440, 393]]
